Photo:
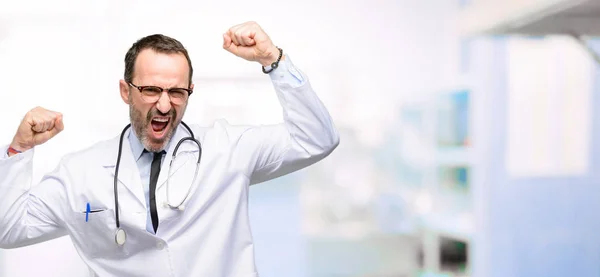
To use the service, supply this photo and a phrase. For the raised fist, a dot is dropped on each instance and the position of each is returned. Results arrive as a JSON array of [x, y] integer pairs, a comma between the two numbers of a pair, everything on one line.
[[250, 42], [38, 126]]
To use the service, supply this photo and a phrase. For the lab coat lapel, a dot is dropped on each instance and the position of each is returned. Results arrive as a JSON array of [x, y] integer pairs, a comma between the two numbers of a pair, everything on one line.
[[186, 146], [128, 175]]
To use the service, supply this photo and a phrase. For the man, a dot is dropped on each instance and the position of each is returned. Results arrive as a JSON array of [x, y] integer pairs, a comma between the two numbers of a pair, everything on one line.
[[137, 226]]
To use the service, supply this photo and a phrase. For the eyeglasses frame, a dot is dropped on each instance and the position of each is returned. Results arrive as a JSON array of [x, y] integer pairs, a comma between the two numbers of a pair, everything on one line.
[[141, 88]]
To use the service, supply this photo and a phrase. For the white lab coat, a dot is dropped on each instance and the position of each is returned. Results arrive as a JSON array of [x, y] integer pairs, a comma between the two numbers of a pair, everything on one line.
[[211, 237]]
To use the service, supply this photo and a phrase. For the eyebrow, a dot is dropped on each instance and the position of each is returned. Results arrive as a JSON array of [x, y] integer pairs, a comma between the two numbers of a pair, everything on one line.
[[165, 87]]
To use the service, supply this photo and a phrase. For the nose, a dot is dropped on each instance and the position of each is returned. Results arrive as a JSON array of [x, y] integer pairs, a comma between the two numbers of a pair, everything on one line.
[[164, 103]]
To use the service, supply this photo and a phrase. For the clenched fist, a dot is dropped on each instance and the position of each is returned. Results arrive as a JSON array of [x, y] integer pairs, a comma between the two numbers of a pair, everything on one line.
[[38, 126], [250, 42]]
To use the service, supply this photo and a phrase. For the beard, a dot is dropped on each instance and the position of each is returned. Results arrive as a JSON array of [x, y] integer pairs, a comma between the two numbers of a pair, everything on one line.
[[141, 125]]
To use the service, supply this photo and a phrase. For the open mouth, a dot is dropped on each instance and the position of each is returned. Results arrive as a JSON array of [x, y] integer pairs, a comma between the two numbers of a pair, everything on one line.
[[159, 125]]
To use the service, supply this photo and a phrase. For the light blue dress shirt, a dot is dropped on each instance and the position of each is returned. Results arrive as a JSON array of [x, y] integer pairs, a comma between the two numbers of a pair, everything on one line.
[[144, 162]]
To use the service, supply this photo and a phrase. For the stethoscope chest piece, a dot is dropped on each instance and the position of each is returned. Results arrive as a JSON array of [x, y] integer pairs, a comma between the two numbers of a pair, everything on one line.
[[120, 237]]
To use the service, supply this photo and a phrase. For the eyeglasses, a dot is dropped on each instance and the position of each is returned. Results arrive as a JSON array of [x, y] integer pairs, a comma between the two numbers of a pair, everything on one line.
[[151, 94]]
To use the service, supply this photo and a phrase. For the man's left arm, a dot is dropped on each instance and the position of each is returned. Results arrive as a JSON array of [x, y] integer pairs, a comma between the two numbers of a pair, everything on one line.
[[307, 134]]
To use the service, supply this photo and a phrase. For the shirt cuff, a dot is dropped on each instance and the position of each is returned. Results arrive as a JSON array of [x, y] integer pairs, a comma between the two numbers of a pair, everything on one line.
[[286, 72]]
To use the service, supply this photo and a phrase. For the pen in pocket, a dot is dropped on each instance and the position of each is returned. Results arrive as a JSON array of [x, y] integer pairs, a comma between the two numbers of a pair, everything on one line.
[[89, 211]]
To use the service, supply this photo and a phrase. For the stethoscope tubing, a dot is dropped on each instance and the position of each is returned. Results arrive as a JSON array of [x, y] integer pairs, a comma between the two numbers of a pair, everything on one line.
[[116, 194]]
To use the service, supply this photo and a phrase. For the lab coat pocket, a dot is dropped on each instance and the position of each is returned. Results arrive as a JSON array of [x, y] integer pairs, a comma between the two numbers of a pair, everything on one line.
[[96, 236]]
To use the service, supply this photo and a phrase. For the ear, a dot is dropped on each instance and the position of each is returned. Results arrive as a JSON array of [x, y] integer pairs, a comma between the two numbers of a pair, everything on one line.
[[124, 88]]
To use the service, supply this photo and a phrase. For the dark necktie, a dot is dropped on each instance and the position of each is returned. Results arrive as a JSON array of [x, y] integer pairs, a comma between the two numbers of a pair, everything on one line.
[[155, 170]]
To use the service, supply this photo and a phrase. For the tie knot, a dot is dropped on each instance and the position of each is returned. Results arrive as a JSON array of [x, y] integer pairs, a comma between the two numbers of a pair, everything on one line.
[[157, 155]]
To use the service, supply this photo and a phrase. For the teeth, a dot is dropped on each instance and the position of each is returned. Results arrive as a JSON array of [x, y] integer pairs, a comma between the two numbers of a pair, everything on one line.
[[161, 119]]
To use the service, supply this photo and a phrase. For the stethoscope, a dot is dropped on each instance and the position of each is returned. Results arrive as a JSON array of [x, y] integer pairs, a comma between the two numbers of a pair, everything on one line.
[[120, 235]]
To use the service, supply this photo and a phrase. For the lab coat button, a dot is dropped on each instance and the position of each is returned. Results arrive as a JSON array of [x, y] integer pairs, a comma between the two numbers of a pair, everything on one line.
[[160, 245]]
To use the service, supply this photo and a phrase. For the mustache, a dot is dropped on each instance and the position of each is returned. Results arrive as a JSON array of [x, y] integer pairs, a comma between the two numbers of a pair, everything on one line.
[[155, 112]]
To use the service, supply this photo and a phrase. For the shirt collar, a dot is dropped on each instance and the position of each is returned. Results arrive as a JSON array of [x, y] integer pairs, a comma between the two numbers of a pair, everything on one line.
[[136, 145]]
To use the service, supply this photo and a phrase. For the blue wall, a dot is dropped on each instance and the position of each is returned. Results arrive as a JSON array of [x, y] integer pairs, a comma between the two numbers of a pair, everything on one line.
[[535, 226]]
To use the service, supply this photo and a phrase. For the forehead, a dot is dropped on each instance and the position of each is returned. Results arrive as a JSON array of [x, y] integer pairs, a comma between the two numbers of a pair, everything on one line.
[[157, 67]]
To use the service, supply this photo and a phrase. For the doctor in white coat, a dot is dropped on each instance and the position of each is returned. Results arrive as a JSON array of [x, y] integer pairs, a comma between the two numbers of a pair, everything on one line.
[[132, 224]]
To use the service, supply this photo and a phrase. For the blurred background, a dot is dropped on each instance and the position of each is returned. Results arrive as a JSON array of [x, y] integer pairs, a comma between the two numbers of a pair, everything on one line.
[[468, 132]]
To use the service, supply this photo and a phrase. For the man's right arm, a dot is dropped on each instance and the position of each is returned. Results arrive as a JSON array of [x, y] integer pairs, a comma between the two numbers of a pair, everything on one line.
[[29, 214]]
